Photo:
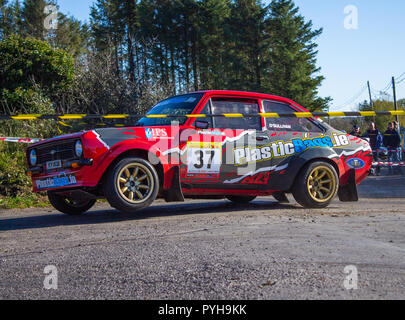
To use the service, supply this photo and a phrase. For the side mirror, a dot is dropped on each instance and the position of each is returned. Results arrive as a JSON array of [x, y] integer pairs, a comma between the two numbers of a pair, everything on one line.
[[202, 124]]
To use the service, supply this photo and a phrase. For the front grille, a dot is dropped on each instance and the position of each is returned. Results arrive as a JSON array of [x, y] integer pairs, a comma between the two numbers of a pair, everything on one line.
[[60, 150]]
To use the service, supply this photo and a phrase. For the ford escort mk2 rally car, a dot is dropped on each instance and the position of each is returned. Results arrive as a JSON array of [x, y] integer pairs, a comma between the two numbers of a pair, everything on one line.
[[176, 152]]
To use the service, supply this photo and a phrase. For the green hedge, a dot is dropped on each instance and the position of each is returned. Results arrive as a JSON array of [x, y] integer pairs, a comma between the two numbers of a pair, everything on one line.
[[15, 185]]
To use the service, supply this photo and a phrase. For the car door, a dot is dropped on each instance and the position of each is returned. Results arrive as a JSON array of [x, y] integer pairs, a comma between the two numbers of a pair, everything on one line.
[[287, 134], [221, 155]]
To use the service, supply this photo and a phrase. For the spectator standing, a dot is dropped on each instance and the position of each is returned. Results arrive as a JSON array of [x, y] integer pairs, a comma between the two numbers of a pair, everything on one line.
[[403, 146], [356, 131], [397, 128], [375, 140], [392, 141]]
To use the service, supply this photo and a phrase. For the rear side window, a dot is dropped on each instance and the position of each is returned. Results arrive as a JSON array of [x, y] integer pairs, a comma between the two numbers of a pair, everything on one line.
[[244, 106], [287, 124]]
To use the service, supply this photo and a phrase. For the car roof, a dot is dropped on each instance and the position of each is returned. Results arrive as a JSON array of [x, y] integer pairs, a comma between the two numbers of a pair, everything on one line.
[[250, 94]]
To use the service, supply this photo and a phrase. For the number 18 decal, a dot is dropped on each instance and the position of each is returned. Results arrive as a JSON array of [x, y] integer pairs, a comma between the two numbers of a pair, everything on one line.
[[204, 157]]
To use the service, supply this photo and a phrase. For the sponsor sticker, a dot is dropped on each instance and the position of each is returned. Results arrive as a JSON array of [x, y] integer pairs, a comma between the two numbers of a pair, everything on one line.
[[204, 157], [355, 163], [156, 133], [279, 126], [55, 182], [281, 149]]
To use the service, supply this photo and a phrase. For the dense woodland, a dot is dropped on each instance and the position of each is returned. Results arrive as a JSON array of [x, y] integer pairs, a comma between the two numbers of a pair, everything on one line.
[[135, 52]]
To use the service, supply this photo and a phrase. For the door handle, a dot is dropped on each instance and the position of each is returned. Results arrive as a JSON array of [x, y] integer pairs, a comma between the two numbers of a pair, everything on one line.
[[262, 138]]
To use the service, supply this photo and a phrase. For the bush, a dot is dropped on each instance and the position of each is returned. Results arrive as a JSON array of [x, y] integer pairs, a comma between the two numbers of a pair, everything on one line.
[[13, 180], [15, 185], [24, 61]]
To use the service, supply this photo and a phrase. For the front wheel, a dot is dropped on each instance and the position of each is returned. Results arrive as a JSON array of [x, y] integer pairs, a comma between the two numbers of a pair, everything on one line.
[[132, 184], [241, 199], [70, 206], [316, 185]]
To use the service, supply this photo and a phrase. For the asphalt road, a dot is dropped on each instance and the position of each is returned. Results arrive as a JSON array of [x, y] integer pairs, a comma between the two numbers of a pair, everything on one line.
[[211, 250]]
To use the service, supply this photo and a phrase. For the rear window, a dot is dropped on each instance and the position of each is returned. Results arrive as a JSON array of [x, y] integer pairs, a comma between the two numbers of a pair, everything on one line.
[[287, 124]]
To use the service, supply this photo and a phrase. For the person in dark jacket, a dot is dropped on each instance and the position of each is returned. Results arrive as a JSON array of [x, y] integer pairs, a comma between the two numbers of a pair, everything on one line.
[[376, 140], [392, 141], [356, 131]]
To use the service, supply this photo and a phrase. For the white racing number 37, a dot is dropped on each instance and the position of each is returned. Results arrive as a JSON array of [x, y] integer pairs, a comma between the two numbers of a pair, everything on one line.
[[204, 157]]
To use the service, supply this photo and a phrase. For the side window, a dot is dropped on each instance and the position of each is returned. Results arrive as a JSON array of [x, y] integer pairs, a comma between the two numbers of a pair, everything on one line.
[[206, 110], [229, 105], [287, 124]]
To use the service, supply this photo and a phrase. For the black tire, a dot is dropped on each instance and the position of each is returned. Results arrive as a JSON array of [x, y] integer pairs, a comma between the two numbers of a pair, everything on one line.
[[309, 187], [68, 206], [241, 199], [114, 189]]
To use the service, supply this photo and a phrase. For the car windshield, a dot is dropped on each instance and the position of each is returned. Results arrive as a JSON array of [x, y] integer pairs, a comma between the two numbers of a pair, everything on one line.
[[180, 105]]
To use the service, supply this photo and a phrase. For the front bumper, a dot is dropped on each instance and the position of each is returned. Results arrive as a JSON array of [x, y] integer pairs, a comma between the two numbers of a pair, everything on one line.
[[68, 165], [74, 174]]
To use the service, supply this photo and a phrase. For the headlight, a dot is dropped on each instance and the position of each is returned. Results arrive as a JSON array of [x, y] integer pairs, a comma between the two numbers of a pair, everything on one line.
[[79, 148], [33, 157]]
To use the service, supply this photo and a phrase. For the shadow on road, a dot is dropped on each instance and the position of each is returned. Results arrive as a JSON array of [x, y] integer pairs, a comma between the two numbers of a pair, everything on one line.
[[111, 216], [372, 187]]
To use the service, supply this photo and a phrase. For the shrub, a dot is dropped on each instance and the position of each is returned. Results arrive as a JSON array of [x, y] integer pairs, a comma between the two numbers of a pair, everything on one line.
[[13, 180]]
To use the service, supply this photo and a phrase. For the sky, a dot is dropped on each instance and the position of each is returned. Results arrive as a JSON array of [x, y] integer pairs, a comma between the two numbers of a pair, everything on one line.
[[348, 58]]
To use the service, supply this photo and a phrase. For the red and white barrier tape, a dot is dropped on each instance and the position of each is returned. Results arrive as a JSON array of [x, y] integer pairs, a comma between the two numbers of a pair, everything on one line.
[[388, 164], [20, 140], [387, 150]]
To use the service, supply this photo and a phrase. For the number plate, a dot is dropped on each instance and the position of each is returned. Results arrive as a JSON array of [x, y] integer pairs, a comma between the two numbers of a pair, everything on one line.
[[204, 157], [55, 182], [54, 164]]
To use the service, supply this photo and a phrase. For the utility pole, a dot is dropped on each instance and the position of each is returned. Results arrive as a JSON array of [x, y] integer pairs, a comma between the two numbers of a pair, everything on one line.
[[396, 108], [371, 100], [395, 98], [369, 94]]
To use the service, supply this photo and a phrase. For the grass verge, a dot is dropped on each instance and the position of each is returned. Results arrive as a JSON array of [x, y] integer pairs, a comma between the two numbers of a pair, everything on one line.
[[26, 201]]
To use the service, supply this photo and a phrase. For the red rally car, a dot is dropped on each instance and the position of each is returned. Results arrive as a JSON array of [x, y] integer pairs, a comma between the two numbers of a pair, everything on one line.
[[235, 153]]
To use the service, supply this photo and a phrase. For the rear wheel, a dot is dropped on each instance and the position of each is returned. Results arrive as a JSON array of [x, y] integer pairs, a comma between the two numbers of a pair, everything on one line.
[[70, 206], [316, 185], [132, 184], [241, 199]]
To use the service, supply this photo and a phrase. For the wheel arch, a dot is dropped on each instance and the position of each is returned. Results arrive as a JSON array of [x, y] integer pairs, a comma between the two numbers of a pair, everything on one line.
[[140, 153], [285, 182], [320, 159]]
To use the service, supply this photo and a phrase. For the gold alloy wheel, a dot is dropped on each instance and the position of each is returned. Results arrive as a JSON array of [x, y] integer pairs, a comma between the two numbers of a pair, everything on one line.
[[321, 184], [135, 183]]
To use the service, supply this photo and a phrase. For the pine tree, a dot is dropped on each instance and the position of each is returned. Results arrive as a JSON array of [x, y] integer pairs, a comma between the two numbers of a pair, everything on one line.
[[246, 41], [71, 35], [107, 28], [33, 18], [4, 19], [293, 72], [212, 44]]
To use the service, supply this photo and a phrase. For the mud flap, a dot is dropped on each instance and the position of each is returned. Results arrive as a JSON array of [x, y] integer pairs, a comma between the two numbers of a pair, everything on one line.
[[280, 197], [174, 194], [348, 192]]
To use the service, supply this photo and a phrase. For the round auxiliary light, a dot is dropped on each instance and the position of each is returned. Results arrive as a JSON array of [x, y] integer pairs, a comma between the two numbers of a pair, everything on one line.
[[79, 148], [33, 157]]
